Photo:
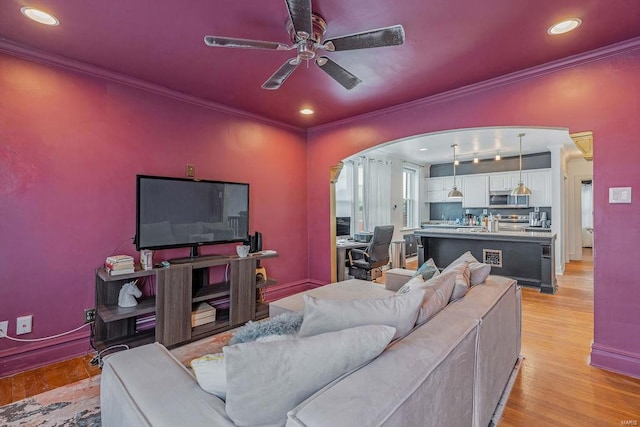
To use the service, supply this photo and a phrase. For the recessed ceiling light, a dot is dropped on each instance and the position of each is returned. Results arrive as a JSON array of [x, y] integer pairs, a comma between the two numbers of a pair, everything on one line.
[[39, 16], [564, 26], [306, 111], [422, 149]]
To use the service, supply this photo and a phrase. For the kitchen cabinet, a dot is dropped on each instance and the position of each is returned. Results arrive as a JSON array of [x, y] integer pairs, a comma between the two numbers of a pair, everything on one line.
[[504, 181], [438, 188], [539, 182], [475, 191]]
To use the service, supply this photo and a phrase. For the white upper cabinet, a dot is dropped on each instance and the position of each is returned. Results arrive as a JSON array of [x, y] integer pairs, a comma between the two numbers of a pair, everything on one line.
[[475, 188], [503, 181], [539, 182], [475, 191], [438, 188]]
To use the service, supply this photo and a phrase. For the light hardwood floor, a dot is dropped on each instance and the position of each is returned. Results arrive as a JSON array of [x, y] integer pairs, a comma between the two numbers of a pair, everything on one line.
[[555, 386]]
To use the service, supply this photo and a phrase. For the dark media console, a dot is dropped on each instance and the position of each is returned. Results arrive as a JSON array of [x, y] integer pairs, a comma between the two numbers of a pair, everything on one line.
[[177, 288]]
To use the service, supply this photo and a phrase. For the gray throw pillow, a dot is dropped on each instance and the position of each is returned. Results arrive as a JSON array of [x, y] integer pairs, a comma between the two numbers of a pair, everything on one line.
[[399, 311], [265, 380], [478, 271], [462, 279]]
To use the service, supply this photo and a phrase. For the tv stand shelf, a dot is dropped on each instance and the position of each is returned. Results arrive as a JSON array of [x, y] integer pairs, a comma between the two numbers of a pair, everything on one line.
[[177, 288]]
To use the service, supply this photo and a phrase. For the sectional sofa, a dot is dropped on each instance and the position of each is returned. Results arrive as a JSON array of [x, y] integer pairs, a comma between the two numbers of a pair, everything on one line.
[[451, 370]]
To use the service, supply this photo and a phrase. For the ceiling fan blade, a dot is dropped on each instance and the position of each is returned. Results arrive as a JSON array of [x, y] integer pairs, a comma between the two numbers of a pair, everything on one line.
[[339, 74], [300, 14], [276, 80], [243, 43], [389, 36]]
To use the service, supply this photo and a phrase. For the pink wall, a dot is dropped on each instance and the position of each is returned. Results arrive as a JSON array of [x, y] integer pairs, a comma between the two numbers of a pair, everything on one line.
[[70, 147], [601, 94]]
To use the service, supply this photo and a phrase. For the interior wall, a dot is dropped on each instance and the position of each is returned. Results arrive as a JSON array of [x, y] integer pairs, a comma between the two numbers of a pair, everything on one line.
[[70, 148], [597, 92]]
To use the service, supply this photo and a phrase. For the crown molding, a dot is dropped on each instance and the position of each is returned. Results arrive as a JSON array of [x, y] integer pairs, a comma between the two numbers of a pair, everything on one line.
[[34, 55], [530, 73]]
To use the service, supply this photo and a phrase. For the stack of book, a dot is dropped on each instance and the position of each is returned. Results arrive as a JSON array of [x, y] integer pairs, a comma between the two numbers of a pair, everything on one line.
[[116, 265], [202, 313]]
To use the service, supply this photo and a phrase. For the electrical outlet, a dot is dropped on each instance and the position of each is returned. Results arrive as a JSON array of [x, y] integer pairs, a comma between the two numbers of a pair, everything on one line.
[[23, 324], [4, 327], [89, 315]]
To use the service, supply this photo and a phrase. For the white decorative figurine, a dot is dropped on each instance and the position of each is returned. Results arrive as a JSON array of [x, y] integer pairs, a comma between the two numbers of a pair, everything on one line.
[[128, 294]]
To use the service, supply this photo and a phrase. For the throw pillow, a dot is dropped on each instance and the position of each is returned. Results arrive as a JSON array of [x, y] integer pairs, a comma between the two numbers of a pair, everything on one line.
[[427, 270], [398, 311], [479, 271], [282, 324], [268, 379], [462, 279], [210, 373], [437, 293], [413, 284]]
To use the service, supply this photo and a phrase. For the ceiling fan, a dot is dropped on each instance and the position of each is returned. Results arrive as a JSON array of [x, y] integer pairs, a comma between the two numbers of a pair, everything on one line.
[[306, 30]]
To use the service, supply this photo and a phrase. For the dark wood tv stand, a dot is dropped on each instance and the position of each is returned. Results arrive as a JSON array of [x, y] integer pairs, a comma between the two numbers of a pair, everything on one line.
[[177, 288]]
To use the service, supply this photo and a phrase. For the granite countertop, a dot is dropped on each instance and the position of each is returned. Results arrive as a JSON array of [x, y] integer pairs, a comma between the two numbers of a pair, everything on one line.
[[473, 233]]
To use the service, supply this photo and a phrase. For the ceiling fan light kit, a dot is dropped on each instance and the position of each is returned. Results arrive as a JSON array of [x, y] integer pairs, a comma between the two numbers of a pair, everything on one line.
[[306, 30]]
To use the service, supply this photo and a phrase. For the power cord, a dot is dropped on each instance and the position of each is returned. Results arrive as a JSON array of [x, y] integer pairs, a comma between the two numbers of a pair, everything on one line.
[[97, 359], [4, 335]]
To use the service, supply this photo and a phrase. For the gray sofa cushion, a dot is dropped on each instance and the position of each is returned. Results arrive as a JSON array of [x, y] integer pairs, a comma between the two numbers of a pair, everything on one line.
[[267, 379], [147, 386], [426, 379], [399, 311]]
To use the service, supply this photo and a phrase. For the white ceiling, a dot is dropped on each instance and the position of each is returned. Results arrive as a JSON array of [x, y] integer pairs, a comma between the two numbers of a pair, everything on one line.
[[485, 142]]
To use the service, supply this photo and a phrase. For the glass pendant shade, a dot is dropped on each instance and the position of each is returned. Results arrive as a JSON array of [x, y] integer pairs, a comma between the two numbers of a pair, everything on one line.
[[454, 193], [521, 189]]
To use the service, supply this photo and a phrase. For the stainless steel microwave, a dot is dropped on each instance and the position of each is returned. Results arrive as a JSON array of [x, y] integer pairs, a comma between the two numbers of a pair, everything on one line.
[[504, 199]]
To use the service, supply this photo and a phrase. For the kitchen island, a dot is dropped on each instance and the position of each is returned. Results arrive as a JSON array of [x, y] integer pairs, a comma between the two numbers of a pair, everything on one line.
[[528, 257]]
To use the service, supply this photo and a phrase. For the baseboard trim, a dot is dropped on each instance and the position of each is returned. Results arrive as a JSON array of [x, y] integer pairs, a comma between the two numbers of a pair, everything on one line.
[[276, 292], [42, 353], [614, 360]]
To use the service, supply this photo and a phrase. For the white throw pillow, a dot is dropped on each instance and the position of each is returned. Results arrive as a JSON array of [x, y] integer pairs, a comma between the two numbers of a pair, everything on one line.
[[210, 373], [398, 311], [268, 379], [413, 284]]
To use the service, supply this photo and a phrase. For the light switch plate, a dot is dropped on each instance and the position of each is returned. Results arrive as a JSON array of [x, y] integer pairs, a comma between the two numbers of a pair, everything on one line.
[[619, 194]]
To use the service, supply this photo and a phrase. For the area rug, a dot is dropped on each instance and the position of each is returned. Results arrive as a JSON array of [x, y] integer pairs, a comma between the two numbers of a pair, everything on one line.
[[78, 404]]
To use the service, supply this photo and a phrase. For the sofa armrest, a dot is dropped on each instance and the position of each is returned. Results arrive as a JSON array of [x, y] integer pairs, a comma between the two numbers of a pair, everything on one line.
[[395, 278]]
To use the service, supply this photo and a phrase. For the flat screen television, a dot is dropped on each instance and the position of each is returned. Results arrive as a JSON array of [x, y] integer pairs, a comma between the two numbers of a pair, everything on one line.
[[343, 226], [180, 212]]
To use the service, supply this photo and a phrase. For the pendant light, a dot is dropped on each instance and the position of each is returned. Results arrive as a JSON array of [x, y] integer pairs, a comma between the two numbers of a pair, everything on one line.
[[521, 189], [454, 193]]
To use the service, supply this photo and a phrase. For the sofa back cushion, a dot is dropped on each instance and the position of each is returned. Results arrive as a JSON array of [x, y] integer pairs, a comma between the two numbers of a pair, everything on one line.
[[267, 379], [398, 311]]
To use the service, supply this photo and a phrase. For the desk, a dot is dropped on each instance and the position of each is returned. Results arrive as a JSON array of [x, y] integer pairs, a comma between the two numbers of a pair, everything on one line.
[[341, 257]]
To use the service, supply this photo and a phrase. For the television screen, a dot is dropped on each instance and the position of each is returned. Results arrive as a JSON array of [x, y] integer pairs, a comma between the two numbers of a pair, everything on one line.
[[343, 226], [179, 212]]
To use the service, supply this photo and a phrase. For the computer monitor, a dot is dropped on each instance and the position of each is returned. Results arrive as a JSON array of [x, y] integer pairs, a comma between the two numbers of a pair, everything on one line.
[[343, 226]]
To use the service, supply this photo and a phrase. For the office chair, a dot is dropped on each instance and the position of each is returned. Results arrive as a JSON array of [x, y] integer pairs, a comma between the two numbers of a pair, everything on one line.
[[362, 262]]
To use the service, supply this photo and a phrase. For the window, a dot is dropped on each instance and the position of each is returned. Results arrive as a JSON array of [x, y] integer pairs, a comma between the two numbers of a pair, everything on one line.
[[409, 197]]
